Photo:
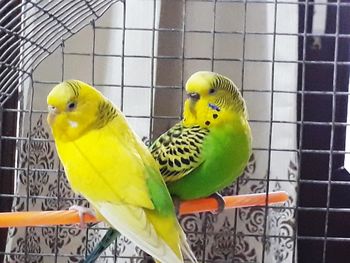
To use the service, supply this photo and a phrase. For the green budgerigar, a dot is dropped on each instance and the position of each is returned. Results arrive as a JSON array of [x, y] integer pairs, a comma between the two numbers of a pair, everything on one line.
[[209, 149]]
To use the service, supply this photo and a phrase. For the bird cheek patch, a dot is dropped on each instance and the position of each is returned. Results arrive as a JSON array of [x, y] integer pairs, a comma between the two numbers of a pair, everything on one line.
[[73, 124], [214, 107]]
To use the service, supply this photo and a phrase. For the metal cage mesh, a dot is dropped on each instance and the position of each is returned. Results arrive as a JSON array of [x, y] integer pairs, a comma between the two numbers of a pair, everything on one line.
[[50, 22]]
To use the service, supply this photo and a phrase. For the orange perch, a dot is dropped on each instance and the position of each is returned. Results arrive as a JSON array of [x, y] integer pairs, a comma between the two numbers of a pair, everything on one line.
[[66, 217], [235, 201]]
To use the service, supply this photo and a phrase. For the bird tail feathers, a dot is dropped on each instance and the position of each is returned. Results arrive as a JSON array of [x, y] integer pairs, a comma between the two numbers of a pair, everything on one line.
[[132, 222], [185, 247]]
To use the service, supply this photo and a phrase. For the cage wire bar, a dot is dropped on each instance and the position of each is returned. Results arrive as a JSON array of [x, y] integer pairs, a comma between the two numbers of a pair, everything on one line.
[[58, 21], [23, 47], [55, 20], [331, 143]]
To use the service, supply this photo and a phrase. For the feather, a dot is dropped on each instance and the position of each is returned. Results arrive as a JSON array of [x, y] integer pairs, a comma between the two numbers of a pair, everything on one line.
[[178, 151], [132, 222], [108, 164]]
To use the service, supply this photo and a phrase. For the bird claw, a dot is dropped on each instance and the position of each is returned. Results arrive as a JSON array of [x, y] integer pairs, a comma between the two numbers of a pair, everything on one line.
[[220, 201], [81, 212]]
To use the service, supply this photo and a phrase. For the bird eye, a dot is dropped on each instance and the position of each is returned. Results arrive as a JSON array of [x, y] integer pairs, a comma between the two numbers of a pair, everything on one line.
[[193, 96], [211, 91], [72, 105]]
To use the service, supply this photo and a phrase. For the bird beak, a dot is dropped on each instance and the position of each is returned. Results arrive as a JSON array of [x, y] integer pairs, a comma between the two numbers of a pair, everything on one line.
[[193, 98], [53, 111]]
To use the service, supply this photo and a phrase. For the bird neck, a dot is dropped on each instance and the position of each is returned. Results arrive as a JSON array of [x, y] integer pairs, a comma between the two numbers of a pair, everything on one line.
[[106, 112]]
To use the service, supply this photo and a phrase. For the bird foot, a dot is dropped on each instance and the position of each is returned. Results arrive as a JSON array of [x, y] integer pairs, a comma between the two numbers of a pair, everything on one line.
[[221, 202], [81, 212]]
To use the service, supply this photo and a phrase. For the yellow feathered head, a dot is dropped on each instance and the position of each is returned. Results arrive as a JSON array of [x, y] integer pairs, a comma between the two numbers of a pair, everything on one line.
[[73, 109], [211, 93]]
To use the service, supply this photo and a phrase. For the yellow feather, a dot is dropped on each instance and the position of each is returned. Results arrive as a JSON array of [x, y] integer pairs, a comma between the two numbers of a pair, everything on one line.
[[107, 163], [198, 112]]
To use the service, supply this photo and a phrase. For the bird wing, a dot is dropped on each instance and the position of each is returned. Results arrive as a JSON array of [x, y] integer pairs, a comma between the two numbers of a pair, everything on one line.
[[134, 200], [179, 151]]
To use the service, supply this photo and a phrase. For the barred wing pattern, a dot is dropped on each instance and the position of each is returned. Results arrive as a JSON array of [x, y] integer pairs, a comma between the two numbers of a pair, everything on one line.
[[178, 151]]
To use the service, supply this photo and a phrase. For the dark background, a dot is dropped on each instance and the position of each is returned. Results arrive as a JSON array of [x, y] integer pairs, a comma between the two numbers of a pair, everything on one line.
[[316, 166], [8, 119]]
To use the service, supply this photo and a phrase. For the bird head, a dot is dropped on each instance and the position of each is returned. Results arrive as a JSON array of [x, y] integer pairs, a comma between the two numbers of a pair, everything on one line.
[[72, 107], [211, 93]]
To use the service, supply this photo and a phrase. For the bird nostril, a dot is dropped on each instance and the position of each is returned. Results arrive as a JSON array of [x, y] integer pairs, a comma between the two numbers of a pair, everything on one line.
[[51, 108]]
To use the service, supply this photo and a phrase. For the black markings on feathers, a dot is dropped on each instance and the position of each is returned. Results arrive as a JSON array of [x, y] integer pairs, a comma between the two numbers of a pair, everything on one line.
[[234, 99], [178, 151], [185, 161], [105, 113], [161, 161], [74, 85], [170, 162], [177, 162]]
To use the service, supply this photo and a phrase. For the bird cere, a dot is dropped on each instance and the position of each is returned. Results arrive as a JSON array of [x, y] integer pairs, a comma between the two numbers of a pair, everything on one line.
[[130, 186]]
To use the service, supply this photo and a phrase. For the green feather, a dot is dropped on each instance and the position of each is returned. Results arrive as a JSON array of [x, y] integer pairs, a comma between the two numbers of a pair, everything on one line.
[[178, 151], [159, 195], [226, 151], [108, 239]]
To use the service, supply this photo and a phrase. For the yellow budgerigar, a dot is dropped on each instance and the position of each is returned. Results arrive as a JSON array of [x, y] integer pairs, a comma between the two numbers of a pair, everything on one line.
[[109, 165]]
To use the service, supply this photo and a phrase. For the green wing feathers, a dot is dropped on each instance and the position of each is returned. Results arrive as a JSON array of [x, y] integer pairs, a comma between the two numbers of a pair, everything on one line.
[[159, 194], [178, 151]]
